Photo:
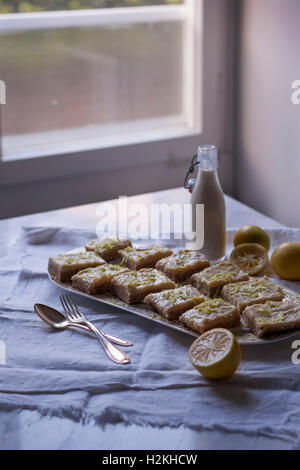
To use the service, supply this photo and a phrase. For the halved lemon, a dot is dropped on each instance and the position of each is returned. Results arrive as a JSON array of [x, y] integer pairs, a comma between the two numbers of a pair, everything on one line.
[[250, 257], [216, 354]]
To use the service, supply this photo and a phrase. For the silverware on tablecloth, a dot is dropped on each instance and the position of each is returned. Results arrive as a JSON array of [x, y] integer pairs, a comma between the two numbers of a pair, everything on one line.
[[57, 320], [75, 316]]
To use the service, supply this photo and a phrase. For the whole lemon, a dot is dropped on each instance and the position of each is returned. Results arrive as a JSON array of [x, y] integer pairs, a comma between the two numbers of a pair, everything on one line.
[[286, 261], [252, 234]]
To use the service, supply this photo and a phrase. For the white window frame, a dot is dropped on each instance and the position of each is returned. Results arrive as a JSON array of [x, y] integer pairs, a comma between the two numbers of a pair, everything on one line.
[[210, 32], [152, 147]]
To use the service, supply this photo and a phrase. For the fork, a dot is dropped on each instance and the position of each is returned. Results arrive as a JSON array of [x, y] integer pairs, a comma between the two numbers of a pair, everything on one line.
[[74, 315]]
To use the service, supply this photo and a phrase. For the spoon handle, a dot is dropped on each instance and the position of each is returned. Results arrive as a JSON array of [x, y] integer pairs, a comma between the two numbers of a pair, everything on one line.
[[113, 339]]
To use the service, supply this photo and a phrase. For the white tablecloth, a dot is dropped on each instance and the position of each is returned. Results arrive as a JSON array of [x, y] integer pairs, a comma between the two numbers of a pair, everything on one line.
[[66, 373]]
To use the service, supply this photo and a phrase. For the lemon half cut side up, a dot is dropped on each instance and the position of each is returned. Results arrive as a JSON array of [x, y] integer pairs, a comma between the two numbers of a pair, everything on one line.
[[216, 354]]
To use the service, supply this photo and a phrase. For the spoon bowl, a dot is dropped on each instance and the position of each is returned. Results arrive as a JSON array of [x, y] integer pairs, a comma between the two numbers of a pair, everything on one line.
[[51, 316]]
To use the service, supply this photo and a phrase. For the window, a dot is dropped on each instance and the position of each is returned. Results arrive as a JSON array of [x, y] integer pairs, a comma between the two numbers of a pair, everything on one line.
[[96, 74]]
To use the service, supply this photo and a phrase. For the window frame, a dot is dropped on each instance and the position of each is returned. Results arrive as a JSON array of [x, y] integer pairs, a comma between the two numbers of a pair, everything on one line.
[[155, 148]]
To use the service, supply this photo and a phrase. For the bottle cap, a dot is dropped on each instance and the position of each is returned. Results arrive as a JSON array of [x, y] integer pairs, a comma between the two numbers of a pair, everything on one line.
[[208, 157]]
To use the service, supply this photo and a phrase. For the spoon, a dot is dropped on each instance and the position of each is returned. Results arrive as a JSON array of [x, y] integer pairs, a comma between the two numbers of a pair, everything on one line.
[[57, 320]]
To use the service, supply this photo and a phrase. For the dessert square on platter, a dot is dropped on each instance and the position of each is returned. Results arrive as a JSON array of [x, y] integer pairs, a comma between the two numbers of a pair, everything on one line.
[[96, 280], [272, 317], [212, 313], [134, 286], [144, 257], [211, 280], [172, 303], [255, 291], [64, 266], [182, 265], [108, 247]]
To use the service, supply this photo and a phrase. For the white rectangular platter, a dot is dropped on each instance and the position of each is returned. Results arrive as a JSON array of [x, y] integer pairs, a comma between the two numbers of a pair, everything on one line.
[[243, 334]]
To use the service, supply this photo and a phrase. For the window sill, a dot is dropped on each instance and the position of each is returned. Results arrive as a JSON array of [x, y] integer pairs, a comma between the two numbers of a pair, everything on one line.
[[93, 137], [106, 153]]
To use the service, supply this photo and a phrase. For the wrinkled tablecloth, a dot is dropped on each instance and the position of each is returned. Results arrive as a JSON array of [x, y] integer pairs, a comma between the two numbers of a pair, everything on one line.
[[66, 374]]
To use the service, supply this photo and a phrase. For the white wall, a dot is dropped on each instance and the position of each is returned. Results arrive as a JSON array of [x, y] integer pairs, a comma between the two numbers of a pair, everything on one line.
[[268, 124]]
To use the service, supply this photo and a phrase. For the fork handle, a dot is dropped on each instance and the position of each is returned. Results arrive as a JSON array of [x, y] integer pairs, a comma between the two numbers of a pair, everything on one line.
[[114, 353], [113, 339], [116, 340]]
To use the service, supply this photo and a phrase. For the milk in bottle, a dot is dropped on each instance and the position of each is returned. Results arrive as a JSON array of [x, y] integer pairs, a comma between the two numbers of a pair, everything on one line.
[[207, 190]]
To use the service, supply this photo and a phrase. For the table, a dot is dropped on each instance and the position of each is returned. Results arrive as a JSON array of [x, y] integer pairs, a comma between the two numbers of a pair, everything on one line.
[[28, 430]]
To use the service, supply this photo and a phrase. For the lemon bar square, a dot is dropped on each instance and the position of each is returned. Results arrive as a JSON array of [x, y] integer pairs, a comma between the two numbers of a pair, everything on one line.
[[64, 266], [144, 257], [134, 286], [108, 247], [212, 313], [272, 317], [211, 280], [96, 280], [182, 265], [255, 291], [173, 302]]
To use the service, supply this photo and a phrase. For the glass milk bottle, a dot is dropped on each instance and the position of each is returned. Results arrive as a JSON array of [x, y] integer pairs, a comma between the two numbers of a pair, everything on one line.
[[206, 189]]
